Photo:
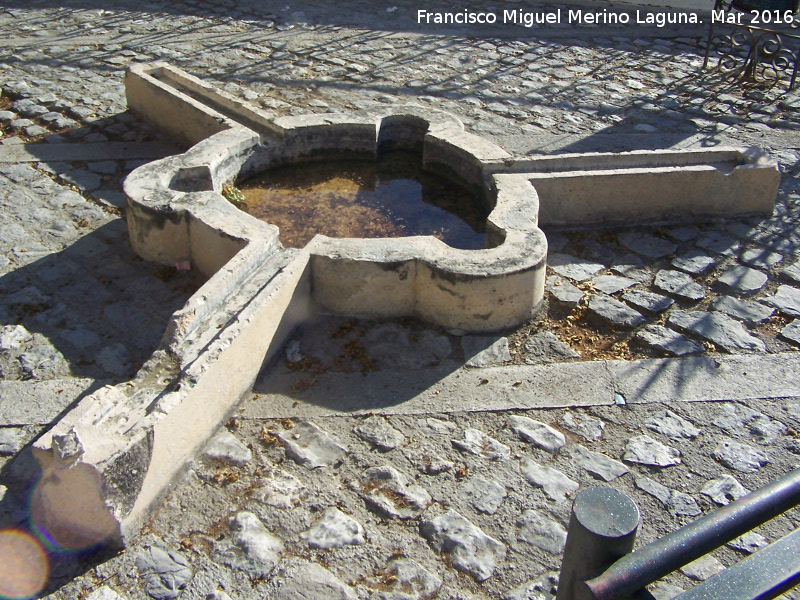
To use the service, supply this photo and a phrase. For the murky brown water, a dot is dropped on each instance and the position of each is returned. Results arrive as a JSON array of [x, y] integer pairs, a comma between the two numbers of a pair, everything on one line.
[[392, 197]]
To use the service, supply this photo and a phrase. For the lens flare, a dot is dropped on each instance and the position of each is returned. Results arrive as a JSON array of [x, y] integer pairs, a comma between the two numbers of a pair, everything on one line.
[[23, 565]]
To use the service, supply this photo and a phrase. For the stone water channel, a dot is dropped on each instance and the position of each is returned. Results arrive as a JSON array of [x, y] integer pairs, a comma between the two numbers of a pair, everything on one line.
[[176, 527]]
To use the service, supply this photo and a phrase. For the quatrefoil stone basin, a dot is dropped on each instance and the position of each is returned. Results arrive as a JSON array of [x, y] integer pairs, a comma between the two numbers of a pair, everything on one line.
[[176, 213]]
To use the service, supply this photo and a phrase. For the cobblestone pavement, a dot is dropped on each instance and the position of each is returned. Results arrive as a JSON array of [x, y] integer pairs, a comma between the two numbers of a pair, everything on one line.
[[78, 309]]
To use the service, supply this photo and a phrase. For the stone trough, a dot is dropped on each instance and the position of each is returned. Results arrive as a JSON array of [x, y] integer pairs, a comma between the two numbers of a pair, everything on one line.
[[108, 462]]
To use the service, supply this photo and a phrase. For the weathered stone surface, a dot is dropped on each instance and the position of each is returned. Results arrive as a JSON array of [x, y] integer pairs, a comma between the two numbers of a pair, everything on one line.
[[334, 530], [633, 267], [597, 464], [739, 457], [378, 432], [792, 332], [310, 446], [668, 423], [485, 351], [614, 311], [279, 489], [225, 446], [679, 284], [611, 284], [545, 347], [484, 495], [543, 588], [11, 440], [717, 328], [649, 301], [386, 490], [537, 530], [218, 595], [165, 572], [391, 345], [718, 243], [428, 461], [537, 433], [693, 262], [743, 280], [761, 258], [563, 291], [644, 450], [104, 593], [793, 272], [554, 483], [683, 234], [478, 443], [750, 542], [724, 490], [665, 591], [470, 550], [668, 340], [583, 425], [408, 581], [738, 418], [572, 267], [787, 300], [14, 336], [647, 245], [253, 549], [703, 568], [300, 580], [752, 313], [677, 503]]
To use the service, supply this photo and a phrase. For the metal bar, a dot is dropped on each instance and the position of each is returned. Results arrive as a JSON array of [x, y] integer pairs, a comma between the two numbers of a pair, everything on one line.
[[634, 571], [764, 575], [602, 528]]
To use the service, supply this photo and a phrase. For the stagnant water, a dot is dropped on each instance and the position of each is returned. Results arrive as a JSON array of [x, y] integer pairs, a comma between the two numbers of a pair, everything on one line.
[[391, 197]]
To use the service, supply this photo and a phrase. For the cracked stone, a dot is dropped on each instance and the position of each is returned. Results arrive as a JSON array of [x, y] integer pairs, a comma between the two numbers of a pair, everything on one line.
[[750, 542], [378, 432], [539, 531], [484, 495], [554, 483], [693, 262], [614, 311], [611, 284], [702, 568], [545, 347], [225, 446], [572, 267], [739, 457], [470, 550], [667, 340], [279, 489], [668, 423], [310, 446], [677, 503], [11, 440], [724, 490], [743, 280], [583, 425], [792, 332], [787, 300], [537, 433], [644, 450], [598, 464], [334, 530], [717, 328], [563, 291], [649, 301], [736, 418], [647, 245], [253, 549], [478, 443], [165, 572], [679, 284], [386, 490], [485, 351], [752, 313]]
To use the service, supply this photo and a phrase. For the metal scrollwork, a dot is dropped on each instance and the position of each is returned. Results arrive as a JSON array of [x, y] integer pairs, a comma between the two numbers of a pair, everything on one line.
[[755, 56]]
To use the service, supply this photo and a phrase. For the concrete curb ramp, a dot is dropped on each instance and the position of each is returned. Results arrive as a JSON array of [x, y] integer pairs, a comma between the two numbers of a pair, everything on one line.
[[108, 462]]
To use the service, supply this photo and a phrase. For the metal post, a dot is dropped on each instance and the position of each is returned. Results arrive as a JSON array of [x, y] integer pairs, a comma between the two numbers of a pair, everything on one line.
[[602, 529]]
